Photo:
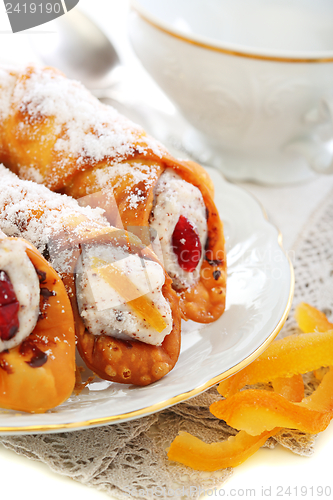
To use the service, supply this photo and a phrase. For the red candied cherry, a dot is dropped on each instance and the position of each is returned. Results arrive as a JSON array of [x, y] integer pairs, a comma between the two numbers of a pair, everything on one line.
[[186, 244], [9, 308]]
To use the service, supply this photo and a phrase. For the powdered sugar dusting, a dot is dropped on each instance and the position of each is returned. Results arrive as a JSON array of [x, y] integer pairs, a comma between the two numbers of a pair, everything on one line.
[[139, 179], [31, 173], [7, 84], [84, 130], [137, 172], [35, 213]]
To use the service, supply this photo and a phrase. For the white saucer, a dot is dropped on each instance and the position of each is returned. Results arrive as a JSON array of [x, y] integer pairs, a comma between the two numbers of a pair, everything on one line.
[[259, 294]]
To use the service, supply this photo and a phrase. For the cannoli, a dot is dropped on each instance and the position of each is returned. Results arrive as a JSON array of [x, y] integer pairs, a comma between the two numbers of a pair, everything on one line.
[[53, 131], [37, 341], [127, 319]]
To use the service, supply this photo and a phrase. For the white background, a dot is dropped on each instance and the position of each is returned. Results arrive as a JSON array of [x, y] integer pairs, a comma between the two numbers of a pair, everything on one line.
[[267, 470]]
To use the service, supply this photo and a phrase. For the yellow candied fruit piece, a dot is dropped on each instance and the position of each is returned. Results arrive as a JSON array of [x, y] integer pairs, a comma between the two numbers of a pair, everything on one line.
[[310, 319], [257, 411], [284, 358], [142, 305], [259, 414], [291, 388], [191, 451]]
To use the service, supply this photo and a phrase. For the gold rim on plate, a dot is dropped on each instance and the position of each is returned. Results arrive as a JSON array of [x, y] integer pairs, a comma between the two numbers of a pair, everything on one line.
[[200, 41], [30, 429]]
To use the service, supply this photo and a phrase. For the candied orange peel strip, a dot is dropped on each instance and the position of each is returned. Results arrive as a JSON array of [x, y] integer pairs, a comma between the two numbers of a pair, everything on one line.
[[256, 411], [284, 358], [319, 374], [309, 319], [259, 414], [142, 305], [291, 388], [198, 455]]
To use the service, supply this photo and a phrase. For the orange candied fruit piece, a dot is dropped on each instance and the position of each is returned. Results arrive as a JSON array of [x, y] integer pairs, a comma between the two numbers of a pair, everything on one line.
[[257, 411], [284, 358], [142, 305], [310, 319], [194, 453], [258, 414], [291, 388]]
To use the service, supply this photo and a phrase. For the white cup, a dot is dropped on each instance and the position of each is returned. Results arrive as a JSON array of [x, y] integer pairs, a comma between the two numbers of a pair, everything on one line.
[[254, 78]]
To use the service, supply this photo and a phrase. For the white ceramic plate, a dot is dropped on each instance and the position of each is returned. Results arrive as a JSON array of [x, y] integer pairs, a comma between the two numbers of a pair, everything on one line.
[[259, 294]]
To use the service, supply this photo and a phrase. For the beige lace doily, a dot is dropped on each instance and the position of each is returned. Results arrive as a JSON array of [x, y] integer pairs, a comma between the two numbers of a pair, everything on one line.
[[132, 455]]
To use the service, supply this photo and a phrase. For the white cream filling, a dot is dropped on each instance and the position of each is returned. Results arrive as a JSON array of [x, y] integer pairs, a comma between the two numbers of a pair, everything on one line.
[[104, 310], [22, 274], [175, 197]]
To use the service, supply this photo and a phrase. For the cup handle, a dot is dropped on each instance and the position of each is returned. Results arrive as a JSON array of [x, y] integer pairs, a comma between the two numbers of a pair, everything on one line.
[[318, 153]]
